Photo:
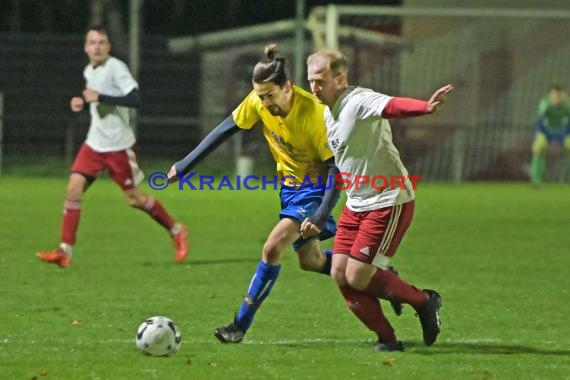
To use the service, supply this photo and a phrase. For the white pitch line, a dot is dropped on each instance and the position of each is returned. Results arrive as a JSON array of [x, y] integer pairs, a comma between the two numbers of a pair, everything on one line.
[[256, 342], [281, 342], [322, 340], [476, 341]]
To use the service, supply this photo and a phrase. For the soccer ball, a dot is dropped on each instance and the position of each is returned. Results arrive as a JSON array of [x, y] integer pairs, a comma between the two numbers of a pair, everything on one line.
[[158, 336]]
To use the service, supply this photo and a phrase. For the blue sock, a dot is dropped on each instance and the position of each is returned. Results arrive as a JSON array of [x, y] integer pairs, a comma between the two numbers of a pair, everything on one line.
[[259, 288], [328, 264]]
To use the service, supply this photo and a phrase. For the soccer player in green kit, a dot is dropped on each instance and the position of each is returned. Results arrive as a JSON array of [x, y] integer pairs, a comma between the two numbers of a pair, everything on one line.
[[553, 124]]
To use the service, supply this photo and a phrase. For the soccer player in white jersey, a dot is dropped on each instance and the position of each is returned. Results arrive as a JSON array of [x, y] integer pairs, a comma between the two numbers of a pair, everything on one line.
[[375, 218], [110, 91]]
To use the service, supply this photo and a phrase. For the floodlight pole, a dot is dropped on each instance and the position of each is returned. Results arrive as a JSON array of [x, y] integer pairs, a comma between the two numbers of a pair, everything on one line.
[[332, 26], [135, 23], [299, 42]]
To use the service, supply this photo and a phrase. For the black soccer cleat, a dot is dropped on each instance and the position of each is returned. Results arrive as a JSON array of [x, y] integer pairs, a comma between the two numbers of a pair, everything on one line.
[[429, 317], [396, 306], [231, 333], [398, 346]]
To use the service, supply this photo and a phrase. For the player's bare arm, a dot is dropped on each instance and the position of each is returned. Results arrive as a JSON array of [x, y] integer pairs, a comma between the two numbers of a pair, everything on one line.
[[77, 104], [309, 229], [173, 174], [90, 96], [438, 97]]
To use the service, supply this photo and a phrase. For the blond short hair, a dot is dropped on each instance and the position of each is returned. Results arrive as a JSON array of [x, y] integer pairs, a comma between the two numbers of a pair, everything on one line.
[[337, 62]]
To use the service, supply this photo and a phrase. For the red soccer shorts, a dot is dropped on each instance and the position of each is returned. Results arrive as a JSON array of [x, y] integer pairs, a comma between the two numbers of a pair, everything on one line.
[[122, 165], [373, 236]]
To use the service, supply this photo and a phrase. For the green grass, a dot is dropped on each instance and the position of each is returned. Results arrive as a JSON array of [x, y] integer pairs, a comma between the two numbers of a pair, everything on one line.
[[498, 253]]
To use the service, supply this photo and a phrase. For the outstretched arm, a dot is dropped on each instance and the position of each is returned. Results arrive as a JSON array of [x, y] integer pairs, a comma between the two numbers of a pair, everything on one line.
[[314, 225], [406, 107], [438, 98], [221, 133]]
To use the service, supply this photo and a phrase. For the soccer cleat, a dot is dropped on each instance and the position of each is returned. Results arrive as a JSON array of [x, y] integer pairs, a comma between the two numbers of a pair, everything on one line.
[[398, 346], [396, 306], [231, 333], [55, 257], [181, 243], [429, 317]]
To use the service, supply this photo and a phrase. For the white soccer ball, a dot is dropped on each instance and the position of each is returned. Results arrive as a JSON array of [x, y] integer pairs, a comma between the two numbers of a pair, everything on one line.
[[158, 336]]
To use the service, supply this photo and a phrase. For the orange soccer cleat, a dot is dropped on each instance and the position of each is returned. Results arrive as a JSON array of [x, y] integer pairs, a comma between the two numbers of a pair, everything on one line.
[[181, 243], [55, 257]]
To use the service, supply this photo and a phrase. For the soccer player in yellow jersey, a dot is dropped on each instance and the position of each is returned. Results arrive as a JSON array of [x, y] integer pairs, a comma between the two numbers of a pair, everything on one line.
[[295, 132]]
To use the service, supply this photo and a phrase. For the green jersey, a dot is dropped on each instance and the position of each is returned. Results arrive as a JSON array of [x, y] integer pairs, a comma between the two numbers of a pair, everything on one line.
[[553, 117]]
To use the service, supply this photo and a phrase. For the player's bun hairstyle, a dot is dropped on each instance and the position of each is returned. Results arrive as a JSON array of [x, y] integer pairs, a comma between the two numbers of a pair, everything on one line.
[[272, 70]]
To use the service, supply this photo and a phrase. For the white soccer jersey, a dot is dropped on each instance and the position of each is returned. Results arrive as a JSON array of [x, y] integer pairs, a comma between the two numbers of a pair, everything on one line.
[[110, 128], [362, 144]]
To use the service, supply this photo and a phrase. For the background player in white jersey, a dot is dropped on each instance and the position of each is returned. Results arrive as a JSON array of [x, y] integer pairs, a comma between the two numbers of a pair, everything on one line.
[[110, 91], [374, 219]]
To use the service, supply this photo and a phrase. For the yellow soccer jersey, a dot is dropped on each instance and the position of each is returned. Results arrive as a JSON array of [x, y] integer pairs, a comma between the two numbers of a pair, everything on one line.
[[298, 142]]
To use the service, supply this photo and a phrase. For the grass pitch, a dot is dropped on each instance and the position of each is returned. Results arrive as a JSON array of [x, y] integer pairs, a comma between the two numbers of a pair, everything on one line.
[[498, 254]]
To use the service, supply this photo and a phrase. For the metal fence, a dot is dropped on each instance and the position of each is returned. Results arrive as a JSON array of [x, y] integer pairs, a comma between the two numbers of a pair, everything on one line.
[[501, 63], [39, 75]]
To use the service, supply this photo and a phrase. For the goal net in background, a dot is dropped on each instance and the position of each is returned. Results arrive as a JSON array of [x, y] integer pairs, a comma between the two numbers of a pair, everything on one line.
[[500, 61]]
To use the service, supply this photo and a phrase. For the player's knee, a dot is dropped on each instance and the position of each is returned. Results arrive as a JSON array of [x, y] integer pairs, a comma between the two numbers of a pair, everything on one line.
[[134, 201], [310, 264], [74, 192], [272, 252], [539, 147], [355, 280], [338, 276], [304, 264]]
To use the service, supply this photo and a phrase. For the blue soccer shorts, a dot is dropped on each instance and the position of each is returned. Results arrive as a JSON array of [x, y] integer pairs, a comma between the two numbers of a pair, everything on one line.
[[299, 204]]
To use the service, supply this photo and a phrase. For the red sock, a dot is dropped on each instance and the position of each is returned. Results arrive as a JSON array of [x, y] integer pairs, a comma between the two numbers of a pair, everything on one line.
[[369, 311], [70, 222], [387, 285], [155, 209]]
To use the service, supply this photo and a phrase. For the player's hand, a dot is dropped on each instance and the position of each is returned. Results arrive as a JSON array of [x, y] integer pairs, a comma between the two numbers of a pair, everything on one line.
[[77, 104], [173, 174], [90, 96], [309, 229], [438, 98]]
